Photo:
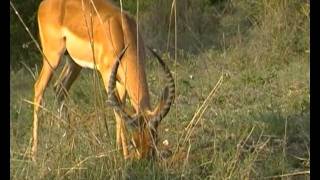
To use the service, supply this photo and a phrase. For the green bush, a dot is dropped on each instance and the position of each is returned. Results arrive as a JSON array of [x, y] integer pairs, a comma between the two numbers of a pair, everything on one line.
[[263, 27], [22, 48]]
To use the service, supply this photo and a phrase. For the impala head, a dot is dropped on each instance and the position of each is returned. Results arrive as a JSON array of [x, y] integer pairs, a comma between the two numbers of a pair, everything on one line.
[[143, 124]]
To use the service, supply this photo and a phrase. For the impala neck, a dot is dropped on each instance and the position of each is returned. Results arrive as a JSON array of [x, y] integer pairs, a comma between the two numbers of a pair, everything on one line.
[[132, 68], [135, 82]]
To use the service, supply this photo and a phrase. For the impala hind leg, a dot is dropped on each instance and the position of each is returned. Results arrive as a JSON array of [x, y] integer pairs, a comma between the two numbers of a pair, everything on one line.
[[53, 46], [67, 76], [39, 88], [53, 49]]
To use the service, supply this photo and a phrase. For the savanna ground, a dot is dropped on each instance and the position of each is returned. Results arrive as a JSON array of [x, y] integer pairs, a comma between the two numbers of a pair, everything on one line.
[[254, 125]]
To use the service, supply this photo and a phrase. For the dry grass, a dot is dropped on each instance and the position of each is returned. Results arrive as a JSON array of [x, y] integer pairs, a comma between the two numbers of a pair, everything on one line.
[[252, 125]]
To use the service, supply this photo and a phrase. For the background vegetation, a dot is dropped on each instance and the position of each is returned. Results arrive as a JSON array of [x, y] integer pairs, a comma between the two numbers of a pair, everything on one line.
[[255, 126]]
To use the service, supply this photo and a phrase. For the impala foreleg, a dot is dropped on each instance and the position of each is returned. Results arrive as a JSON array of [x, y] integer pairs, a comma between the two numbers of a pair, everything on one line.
[[120, 126]]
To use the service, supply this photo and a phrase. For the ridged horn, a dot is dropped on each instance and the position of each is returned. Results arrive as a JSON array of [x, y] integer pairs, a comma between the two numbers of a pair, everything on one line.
[[112, 98], [168, 93]]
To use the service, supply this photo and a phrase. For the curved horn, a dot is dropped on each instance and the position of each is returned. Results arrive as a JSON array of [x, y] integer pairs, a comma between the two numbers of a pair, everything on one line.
[[167, 95], [112, 98]]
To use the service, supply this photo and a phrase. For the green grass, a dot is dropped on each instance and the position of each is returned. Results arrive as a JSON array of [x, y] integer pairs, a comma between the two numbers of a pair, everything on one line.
[[256, 125]]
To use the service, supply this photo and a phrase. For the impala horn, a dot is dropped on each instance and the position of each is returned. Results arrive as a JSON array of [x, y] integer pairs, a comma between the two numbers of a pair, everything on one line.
[[165, 103], [167, 96], [112, 98]]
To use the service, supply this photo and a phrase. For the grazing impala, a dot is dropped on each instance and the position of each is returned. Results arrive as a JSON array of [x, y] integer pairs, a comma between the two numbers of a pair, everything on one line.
[[98, 35]]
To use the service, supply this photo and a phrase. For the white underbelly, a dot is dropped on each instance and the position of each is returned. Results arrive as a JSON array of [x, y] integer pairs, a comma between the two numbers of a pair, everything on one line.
[[85, 63], [79, 50]]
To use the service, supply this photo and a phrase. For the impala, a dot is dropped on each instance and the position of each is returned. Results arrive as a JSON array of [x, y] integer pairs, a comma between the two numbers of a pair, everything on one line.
[[98, 35]]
